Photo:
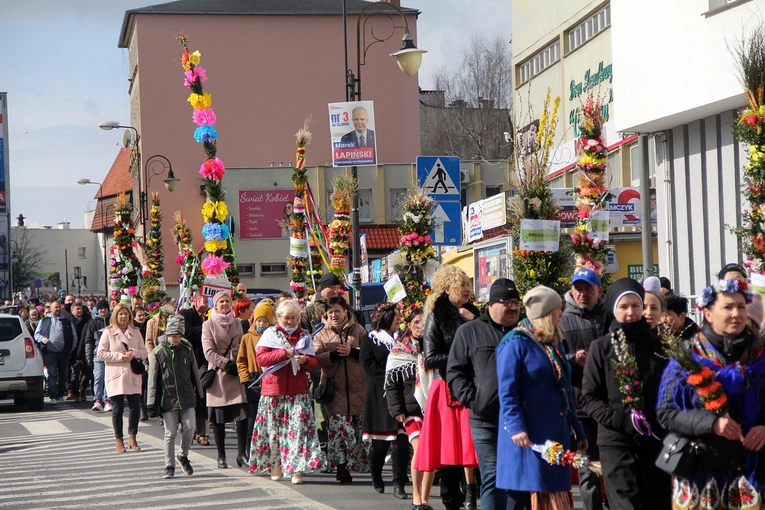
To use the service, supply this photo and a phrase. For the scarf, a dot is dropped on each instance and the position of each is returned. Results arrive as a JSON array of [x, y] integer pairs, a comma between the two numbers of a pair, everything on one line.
[[223, 320], [339, 328], [292, 335], [382, 338], [275, 338], [406, 361], [554, 351]]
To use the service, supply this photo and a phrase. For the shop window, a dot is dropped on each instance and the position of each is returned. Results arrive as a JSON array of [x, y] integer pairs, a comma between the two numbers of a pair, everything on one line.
[[273, 269]]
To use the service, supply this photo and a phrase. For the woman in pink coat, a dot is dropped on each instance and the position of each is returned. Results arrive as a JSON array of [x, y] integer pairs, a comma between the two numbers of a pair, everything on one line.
[[120, 343], [226, 399]]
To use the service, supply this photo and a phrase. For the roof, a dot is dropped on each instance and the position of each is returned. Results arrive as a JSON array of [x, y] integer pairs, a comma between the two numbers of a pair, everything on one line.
[[381, 237], [250, 7], [117, 180]]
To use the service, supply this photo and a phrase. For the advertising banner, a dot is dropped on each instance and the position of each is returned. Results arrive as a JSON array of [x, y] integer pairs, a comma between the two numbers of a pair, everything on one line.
[[490, 261], [475, 222], [625, 207], [265, 214], [494, 211], [540, 235], [566, 206], [352, 133]]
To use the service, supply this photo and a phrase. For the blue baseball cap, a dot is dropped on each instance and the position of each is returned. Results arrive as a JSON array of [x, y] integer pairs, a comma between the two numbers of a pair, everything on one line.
[[586, 275]]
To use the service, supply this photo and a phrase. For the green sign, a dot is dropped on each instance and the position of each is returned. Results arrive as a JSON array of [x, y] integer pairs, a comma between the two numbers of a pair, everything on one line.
[[635, 271]]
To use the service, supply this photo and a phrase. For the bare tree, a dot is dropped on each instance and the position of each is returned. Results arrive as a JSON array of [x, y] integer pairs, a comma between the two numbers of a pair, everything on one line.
[[27, 258], [473, 113]]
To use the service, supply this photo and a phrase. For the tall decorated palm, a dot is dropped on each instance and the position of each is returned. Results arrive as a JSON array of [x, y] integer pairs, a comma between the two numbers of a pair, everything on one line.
[[153, 284], [124, 271]]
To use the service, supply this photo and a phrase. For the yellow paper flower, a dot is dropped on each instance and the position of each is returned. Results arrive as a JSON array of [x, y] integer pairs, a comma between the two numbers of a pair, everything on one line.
[[208, 211], [221, 211], [214, 245], [194, 58], [200, 101]]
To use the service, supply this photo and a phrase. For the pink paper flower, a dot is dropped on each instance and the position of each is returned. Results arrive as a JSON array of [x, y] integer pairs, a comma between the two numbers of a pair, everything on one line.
[[204, 117], [212, 169], [214, 265], [179, 259], [132, 290], [193, 74]]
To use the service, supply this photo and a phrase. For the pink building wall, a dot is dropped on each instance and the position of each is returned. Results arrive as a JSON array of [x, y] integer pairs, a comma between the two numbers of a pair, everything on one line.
[[266, 74]]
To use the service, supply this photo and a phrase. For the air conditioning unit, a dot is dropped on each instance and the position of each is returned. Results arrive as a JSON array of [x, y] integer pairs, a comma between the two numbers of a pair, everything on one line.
[[464, 175]]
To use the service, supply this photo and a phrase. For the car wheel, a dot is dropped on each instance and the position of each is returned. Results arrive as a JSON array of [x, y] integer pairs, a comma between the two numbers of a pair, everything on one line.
[[19, 399], [35, 403]]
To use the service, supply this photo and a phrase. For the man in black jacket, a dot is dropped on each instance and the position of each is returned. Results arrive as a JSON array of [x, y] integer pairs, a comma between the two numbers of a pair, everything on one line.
[[472, 377], [88, 349], [193, 328], [584, 320]]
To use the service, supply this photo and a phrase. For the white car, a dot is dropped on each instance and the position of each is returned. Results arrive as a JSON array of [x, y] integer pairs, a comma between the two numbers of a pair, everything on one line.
[[21, 364]]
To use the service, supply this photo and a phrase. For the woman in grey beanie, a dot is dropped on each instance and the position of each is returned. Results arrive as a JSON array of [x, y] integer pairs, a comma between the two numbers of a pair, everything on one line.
[[536, 405]]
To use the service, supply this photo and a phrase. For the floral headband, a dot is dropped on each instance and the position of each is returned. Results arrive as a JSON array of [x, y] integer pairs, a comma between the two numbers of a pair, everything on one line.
[[727, 287], [385, 307]]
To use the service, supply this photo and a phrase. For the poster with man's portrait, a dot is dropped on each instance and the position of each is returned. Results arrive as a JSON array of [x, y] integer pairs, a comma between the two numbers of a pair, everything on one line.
[[352, 131]]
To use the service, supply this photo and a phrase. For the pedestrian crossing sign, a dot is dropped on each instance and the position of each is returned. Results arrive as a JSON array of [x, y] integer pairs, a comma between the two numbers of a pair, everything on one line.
[[439, 176]]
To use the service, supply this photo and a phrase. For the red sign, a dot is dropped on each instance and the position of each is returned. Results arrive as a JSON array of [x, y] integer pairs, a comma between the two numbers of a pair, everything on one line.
[[265, 214]]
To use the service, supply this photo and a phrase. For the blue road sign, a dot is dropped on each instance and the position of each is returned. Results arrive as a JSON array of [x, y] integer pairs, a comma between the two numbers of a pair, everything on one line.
[[448, 224], [439, 176]]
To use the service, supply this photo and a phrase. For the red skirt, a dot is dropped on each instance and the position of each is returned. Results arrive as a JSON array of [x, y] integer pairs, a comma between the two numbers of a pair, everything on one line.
[[445, 439]]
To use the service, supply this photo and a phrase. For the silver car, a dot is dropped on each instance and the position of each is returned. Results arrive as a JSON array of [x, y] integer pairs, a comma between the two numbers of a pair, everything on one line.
[[21, 364]]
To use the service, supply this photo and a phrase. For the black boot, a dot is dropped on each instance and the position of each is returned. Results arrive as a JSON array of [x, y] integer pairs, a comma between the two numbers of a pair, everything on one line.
[[470, 498], [343, 475], [400, 460], [376, 462], [241, 443], [219, 433]]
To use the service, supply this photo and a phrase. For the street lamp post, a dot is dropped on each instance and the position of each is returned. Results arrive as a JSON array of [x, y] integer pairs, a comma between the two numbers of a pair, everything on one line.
[[158, 164], [408, 58]]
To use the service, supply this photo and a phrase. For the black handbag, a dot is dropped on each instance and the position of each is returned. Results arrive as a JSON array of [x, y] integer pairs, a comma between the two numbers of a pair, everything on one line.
[[325, 391], [679, 455], [208, 376], [136, 365]]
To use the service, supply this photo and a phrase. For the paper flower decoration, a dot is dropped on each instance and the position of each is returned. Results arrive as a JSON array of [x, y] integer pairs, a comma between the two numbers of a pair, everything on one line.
[[214, 245], [214, 265], [212, 169], [205, 134], [200, 101], [204, 117]]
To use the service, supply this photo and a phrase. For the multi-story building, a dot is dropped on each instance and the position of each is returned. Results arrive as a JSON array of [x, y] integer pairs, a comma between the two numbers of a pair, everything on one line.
[[680, 88], [271, 65]]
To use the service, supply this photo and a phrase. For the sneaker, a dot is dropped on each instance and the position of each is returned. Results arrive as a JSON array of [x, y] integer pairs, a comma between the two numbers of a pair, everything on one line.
[[97, 406], [53, 401], [297, 479], [169, 472], [108, 406], [185, 464]]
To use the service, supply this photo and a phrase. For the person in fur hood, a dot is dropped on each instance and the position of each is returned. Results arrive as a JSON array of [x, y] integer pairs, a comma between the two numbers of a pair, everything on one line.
[[446, 441]]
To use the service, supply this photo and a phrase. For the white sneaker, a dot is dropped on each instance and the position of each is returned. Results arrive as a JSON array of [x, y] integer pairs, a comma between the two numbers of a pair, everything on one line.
[[297, 479], [108, 406], [53, 401], [276, 473], [97, 406]]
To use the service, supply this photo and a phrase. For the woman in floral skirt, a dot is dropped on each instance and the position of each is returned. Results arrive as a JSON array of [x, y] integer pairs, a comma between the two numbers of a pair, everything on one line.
[[284, 441], [712, 390], [337, 349]]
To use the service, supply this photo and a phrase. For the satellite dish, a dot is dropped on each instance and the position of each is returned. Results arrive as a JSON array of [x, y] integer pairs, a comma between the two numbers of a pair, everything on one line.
[[127, 138]]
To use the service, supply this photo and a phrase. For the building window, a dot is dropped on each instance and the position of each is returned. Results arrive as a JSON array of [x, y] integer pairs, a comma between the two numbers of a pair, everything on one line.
[[493, 190], [81, 252], [273, 269], [635, 165], [397, 199], [615, 169], [539, 62], [246, 269], [365, 205], [589, 28]]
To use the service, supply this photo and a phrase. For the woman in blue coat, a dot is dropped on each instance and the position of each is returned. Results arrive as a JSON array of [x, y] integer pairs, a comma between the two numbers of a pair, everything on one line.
[[536, 405]]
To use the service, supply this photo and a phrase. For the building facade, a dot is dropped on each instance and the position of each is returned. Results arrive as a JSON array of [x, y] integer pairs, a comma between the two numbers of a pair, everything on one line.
[[271, 66], [681, 89]]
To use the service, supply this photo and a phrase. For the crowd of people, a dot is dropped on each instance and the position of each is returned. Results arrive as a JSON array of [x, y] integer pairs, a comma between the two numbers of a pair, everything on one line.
[[452, 393]]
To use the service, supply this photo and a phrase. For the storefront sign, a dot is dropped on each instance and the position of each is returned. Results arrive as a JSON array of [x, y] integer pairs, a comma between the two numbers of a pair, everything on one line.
[[265, 214], [540, 235], [635, 271]]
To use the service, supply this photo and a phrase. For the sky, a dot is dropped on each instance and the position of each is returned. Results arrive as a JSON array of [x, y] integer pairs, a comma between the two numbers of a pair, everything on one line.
[[64, 75]]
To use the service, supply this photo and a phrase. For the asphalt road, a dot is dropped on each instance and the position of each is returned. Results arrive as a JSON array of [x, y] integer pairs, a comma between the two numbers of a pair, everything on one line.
[[64, 457]]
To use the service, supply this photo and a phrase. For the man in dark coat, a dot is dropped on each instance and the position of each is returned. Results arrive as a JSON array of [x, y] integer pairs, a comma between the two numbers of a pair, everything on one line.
[[193, 318], [79, 375], [472, 365], [584, 320]]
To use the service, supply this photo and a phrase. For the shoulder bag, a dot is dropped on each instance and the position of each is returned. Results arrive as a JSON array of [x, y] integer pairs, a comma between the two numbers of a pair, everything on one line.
[[208, 376], [136, 365], [679, 455], [325, 391]]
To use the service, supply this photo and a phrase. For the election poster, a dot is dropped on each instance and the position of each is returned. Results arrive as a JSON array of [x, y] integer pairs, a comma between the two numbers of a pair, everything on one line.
[[352, 132]]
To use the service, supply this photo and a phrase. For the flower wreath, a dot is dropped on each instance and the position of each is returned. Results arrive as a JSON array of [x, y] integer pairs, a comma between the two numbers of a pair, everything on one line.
[[724, 286], [385, 307]]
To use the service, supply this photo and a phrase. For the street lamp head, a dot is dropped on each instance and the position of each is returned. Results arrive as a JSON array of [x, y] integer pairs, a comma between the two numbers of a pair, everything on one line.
[[108, 125], [409, 57], [171, 182], [84, 181]]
